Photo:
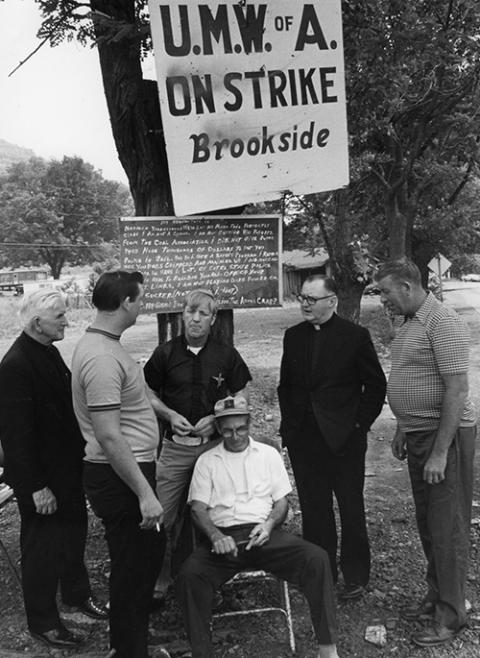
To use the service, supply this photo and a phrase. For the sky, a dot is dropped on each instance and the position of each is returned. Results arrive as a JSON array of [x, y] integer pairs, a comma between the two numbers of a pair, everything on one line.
[[54, 104]]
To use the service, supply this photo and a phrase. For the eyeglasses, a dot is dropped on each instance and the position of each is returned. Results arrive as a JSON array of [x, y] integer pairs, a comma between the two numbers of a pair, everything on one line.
[[242, 432], [311, 301]]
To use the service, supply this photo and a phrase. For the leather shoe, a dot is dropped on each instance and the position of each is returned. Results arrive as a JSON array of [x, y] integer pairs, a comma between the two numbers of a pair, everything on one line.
[[351, 592], [434, 635], [423, 611], [93, 608], [60, 638]]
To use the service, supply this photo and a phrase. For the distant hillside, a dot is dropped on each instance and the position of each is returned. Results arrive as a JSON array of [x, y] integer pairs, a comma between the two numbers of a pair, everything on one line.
[[11, 153]]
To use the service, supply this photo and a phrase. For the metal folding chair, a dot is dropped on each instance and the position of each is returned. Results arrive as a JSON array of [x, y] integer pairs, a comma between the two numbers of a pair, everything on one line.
[[284, 608]]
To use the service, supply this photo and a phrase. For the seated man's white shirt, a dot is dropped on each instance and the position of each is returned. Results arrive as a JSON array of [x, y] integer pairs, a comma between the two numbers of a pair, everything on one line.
[[239, 487]]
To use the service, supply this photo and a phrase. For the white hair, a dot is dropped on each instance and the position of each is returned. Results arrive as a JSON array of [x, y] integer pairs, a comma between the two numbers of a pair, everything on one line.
[[39, 301]]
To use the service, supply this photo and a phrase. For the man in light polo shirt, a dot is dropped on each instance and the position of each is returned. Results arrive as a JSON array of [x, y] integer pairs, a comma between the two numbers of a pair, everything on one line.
[[238, 499], [121, 433], [428, 393]]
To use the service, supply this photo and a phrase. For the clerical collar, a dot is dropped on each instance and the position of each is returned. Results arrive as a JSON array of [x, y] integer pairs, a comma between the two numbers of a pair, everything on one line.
[[324, 325]]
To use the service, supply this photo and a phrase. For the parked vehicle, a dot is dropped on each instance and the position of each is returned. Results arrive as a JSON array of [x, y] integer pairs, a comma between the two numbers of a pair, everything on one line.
[[470, 277], [14, 281]]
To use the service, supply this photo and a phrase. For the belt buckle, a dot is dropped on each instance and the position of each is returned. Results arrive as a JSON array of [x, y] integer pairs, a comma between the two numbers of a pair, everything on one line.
[[192, 441], [200, 440]]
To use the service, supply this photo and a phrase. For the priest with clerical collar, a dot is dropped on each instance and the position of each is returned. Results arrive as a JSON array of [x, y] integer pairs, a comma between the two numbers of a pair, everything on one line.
[[332, 388]]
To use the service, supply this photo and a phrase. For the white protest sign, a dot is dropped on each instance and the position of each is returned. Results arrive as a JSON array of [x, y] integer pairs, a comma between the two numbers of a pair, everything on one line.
[[252, 98]]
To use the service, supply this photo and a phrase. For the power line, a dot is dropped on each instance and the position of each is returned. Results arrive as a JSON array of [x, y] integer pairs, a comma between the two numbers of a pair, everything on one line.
[[86, 215]]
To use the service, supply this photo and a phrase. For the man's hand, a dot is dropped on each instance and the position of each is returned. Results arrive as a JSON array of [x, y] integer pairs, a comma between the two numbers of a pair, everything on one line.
[[224, 545], [45, 501], [151, 511], [259, 535], [399, 450], [205, 426], [434, 469], [180, 425]]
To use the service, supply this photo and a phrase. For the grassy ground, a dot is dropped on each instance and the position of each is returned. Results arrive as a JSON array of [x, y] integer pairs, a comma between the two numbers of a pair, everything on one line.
[[397, 564]]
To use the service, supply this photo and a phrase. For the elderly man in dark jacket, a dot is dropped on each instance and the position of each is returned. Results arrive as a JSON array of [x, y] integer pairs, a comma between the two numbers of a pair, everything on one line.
[[43, 464]]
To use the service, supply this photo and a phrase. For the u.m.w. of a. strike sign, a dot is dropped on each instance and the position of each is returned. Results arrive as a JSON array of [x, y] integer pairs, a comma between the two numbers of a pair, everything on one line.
[[252, 97]]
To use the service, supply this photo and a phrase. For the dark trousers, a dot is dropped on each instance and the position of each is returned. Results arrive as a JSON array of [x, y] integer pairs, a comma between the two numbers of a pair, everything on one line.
[[285, 555], [319, 474], [443, 514], [52, 549], [135, 556]]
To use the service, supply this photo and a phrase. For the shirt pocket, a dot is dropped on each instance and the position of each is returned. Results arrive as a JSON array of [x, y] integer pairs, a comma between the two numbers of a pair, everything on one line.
[[222, 489], [258, 480]]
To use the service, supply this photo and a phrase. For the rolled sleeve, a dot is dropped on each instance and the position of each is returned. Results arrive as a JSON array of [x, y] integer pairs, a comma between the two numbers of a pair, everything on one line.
[[201, 486]]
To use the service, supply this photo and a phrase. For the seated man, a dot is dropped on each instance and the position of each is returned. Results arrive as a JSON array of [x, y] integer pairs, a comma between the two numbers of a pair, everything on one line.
[[238, 499]]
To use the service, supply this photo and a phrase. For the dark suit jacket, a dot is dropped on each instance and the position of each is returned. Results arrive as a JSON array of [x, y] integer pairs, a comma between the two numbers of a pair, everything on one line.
[[39, 432], [346, 390]]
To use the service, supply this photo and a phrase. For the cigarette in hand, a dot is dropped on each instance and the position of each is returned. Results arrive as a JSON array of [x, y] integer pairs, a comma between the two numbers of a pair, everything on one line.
[[157, 526]]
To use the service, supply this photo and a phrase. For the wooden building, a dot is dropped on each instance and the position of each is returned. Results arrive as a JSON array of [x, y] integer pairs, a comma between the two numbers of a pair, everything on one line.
[[298, 265]]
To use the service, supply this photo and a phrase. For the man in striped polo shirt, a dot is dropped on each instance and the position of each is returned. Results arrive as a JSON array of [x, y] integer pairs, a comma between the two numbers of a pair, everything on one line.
[[428, 393]]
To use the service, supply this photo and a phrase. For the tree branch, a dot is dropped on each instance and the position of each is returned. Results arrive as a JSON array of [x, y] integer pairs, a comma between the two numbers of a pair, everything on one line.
[[47, 38], [24, 61], [453, 197]]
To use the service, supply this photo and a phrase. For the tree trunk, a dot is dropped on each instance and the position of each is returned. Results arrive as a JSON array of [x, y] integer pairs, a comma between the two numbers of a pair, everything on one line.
[[134, 111], [349, 300], [422, 255], [350, 289], [55, 259], [222, 329], [397, 226]]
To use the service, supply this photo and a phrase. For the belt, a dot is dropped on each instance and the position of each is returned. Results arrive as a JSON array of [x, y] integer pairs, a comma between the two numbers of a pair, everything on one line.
[[192, 441]]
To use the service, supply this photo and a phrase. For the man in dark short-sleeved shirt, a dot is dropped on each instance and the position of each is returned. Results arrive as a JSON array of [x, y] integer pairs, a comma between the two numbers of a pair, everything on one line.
[[188, 375]]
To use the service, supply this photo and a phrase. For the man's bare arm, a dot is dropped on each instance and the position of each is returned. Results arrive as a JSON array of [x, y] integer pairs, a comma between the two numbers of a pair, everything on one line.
[[106, 426], [456, 391], [398, 444], [179, 424], [221, 544], [260, 534]]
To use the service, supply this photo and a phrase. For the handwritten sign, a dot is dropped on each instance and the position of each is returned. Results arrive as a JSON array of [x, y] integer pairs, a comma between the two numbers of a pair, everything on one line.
[[252, 97], [236, 257]]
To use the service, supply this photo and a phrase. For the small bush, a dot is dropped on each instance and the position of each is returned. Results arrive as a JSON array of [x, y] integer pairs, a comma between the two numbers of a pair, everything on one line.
[[9, 321], [464, 264], [380, 326]]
